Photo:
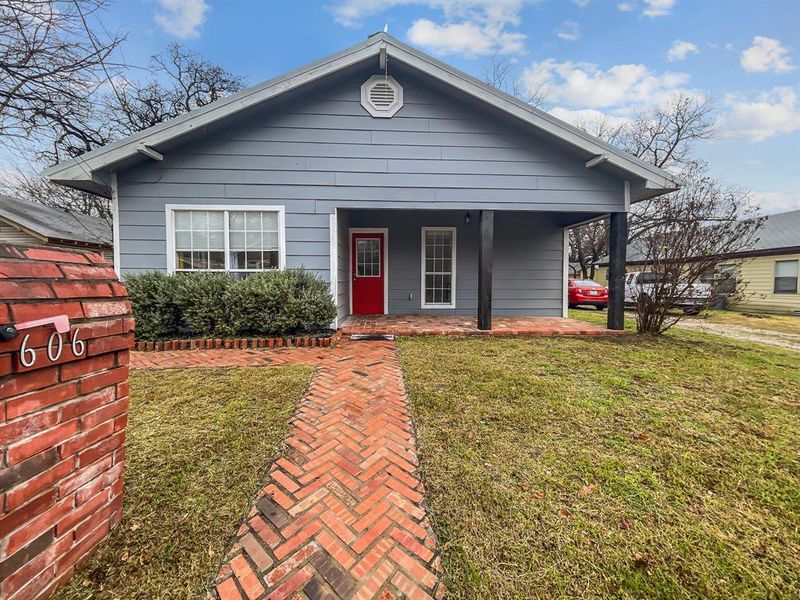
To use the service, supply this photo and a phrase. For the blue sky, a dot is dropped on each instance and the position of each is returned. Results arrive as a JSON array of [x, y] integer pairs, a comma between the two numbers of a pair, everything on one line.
[[610, 57]]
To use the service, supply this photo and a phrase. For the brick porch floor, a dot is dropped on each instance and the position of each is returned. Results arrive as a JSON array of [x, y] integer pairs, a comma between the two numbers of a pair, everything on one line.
[[466, 325], [342, 513]]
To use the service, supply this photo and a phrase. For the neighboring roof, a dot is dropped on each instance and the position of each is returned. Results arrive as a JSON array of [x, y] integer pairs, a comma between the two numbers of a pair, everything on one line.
[[54, 225], [780, 231], [89, 171]]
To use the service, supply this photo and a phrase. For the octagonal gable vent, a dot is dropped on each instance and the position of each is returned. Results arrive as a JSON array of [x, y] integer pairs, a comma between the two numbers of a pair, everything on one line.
[[382, 96]]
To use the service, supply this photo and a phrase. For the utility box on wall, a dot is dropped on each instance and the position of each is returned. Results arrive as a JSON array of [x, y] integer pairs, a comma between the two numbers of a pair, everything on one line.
[[65, 335]]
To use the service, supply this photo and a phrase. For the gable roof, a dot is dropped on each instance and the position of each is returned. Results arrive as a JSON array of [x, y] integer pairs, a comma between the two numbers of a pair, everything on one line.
[[780, 234], [90, 171], [54, 225]]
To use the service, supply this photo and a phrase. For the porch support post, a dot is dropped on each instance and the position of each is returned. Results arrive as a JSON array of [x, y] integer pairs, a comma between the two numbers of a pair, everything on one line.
[[486, 249], [617, 241]]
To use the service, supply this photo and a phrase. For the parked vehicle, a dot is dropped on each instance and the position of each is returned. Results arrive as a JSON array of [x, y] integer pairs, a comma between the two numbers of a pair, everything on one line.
[[640, 286], [586, 292]]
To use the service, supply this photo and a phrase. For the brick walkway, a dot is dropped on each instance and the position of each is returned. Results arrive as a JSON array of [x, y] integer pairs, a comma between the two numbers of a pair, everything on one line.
[[342, 515], [466, 325]]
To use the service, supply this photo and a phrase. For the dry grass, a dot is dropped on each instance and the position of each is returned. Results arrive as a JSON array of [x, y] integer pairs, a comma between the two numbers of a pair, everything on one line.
[[199, 443], [610, 468]]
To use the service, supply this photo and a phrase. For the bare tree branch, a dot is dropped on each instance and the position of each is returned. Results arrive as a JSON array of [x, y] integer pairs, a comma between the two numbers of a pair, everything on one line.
[[498, 71]]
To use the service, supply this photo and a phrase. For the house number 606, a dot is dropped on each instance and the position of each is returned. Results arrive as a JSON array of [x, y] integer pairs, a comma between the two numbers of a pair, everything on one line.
[[55, 346]]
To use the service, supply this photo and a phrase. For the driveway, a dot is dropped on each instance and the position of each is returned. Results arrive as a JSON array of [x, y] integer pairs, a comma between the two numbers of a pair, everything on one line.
[[749, 334]]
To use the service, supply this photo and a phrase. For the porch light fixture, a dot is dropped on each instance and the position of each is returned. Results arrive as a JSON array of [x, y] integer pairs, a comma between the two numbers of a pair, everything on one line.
[[467, 219]]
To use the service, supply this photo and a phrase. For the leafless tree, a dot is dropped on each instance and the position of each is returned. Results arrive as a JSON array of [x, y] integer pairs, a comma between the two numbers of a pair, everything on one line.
[[665, 137], [704, 224], [588, 244], [186, 81], [51, 61], [498, 71], [179, 81]]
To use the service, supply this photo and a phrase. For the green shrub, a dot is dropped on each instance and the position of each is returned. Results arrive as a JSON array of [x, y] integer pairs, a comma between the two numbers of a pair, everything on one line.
[[152, 295], [287, 302], [204, 303]]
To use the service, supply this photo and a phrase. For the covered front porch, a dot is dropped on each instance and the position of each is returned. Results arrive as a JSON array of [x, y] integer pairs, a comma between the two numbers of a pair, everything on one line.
[[502, 326], [454, 271]]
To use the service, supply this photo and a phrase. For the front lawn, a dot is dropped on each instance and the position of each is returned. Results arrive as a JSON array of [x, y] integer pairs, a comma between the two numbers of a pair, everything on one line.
[[636, 467], [199, 443]]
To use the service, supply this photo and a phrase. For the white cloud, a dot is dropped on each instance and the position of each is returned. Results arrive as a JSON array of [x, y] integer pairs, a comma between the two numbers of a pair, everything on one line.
[[766, 54], [473, 27], [463, 38], [587, 117], [771, 113], [624, 88], [569, 31], [626, 6], [581, 3], [182, 18], [658, 8], [775, 202], [680, 50]]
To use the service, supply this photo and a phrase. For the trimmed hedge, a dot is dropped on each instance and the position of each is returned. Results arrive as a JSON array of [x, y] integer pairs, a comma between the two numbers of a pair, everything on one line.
[[275, 303], [153, 297]]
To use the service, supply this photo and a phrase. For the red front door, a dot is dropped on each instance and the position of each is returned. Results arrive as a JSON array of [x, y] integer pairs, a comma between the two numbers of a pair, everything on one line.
[[368, 272]]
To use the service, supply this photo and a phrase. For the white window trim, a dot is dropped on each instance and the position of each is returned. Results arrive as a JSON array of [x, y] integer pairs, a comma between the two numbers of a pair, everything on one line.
[[453, 269], [775, 276], [170, 221], [385, 232]]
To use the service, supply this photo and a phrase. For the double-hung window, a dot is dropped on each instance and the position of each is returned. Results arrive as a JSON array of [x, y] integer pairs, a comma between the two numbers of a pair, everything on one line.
[[786, 272], [234, 239], [438, 267]]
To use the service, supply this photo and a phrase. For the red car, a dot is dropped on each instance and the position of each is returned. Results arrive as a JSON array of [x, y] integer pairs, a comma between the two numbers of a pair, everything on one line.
[[588, 292]]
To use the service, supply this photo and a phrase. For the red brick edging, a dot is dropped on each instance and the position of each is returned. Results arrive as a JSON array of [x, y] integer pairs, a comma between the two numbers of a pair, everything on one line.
[[239, 343]]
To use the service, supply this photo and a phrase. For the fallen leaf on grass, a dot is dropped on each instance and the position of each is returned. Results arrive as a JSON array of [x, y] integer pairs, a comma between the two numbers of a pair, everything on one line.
[[625, 523], [587, 489], [564, 512], [641, 437], [538, 495], [640, 560], [525, 486]]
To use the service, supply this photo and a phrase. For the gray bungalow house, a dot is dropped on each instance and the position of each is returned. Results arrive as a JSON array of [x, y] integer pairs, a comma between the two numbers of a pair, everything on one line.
[[408, 185]]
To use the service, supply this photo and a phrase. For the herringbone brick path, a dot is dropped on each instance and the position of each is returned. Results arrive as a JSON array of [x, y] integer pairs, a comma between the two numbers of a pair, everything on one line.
[[342, 514]]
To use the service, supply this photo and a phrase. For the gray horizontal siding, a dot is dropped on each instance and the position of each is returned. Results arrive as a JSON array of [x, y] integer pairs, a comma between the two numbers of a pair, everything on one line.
[[528, 265], [319, 149]]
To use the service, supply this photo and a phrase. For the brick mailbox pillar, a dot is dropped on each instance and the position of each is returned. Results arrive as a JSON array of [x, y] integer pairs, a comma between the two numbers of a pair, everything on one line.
[[63, 413]]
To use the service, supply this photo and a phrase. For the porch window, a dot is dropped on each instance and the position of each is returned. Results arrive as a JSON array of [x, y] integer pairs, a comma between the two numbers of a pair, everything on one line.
[[438, 267], [786, 272], [237, 240]]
